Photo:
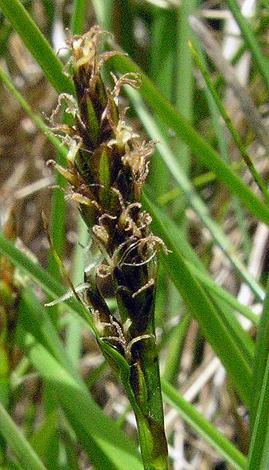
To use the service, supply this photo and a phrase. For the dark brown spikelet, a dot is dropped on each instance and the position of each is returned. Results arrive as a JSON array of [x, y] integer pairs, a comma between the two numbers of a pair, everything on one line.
[[107, 166]]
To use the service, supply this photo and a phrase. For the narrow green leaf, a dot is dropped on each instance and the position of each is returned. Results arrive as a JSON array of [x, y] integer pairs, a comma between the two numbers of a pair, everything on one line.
[[258, 457], [17, 442], [161, 64], [78, 16], [43, 438], [184, 86], [74, 328], [250, 40], [259, 445], [37, 44], [230, 125], [104, 13], [175, 344]]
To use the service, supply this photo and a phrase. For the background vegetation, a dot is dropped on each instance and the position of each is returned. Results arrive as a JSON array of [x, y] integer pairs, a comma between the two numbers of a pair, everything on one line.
[[206, 103]]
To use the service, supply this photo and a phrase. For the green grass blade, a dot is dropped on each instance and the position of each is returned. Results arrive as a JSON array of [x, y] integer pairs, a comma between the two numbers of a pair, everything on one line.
[[184, 86], [161, 64], [125, 25], [206, 430], [104, 13], [259, 445], [78, 16], [58, 218], [261, 354], [258, 457], [251, 41], [230, 126], [37, 44], [221, 293], [17, 442], [46, 435], [175, 346], [197, 144]]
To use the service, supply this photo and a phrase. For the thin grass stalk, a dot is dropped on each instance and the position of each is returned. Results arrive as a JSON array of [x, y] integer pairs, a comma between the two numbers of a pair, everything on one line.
[[184, 79], [250, 40], [229, 124]]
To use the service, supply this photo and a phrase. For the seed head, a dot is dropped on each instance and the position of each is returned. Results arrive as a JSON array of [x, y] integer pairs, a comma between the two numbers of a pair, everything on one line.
[[107, 167]]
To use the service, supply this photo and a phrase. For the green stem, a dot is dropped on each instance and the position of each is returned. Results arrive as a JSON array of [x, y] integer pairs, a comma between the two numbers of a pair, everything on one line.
[[141, 381], [146, 386]]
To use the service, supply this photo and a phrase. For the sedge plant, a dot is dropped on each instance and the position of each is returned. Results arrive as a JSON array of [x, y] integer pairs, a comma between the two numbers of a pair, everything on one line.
[[107, 165]]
